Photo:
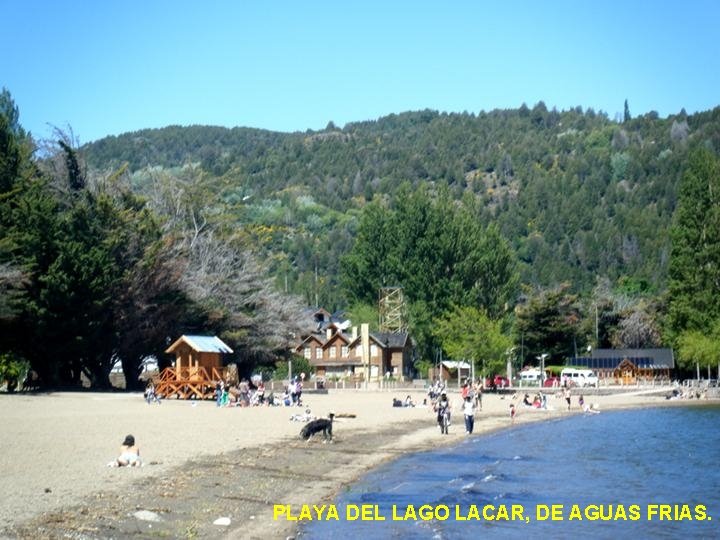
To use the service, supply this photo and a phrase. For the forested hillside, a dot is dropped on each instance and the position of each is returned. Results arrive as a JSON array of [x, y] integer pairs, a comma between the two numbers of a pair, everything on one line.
[[579, 196], [513, 233]]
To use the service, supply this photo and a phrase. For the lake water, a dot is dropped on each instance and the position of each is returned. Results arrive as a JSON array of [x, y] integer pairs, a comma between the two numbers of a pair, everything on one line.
[[617, 465]]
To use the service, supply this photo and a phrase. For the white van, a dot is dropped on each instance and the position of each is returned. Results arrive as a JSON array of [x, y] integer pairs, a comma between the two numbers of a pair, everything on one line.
[[579, 377], [531, 376]]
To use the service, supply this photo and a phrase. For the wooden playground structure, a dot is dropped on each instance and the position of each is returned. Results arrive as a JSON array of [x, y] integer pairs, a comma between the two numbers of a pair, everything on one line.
[[198, 367]]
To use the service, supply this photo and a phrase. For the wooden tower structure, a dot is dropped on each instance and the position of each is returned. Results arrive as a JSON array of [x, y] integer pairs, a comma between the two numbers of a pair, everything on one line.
[[391, 307], [198, 367]]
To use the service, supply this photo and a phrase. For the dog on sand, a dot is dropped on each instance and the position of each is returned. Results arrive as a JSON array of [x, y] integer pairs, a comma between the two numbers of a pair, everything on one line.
[[316, 426]]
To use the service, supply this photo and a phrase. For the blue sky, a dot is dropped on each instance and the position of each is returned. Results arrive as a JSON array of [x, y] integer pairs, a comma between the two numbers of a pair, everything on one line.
[[107, 67]]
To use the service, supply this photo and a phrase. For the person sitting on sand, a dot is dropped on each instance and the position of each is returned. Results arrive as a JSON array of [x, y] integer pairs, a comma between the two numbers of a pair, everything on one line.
[[260, 394], [244, 393], [592, 409], [129, 453], [307, 417], [409, 402]]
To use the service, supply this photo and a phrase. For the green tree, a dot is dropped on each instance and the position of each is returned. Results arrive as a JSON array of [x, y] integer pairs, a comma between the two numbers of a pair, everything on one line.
[[364, 313], [694, 288], [299, 365], [12, 370], [626, 113], [438, 251], [467, 333], [80, 258], [700, 349], [549, 323]]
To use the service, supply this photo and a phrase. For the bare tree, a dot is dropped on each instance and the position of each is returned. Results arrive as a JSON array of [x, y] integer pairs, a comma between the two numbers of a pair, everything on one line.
[[231, 283], [636, 330], [219, 273]]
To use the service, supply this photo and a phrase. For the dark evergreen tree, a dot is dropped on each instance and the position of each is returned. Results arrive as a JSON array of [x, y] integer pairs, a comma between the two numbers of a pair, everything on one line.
[[550, 323], [435, 249], [626, 113], [694, 288]]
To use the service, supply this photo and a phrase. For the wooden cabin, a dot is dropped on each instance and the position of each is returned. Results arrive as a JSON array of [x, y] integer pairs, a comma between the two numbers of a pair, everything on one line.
[[629, 366], [198, 367], [626, 373], [450, 370]]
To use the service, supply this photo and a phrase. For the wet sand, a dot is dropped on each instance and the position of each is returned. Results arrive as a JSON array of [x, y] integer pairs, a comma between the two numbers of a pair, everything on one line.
[[203, 463]]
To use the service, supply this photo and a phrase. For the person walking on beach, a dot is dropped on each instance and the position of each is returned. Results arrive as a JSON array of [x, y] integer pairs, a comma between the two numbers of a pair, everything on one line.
[[150, 394], [512, 413], [298, 389], [442, 407], [478, 395], [469, 412], [566, 394]]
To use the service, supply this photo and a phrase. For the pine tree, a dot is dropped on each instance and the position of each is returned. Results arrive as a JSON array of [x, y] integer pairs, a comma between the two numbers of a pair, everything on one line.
[[694, 289], [626, 113]]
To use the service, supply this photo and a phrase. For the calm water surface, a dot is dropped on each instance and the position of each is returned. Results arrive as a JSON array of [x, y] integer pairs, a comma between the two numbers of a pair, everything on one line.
[[643, 457]]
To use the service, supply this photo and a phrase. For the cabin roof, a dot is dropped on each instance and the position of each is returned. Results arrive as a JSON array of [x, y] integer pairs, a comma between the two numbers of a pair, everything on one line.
[[642, 358], [201, 344], [386, 340]]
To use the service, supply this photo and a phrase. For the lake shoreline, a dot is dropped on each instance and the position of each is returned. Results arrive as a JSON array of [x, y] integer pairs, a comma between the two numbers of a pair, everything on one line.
[[204, 463]]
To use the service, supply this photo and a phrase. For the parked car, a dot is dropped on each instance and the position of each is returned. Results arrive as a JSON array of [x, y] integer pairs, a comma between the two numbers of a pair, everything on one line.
[[552, 382], [498, 381]]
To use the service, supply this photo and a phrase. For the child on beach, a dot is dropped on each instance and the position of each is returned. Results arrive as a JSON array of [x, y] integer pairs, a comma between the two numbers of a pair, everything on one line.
[[129, 454], [512, 413]]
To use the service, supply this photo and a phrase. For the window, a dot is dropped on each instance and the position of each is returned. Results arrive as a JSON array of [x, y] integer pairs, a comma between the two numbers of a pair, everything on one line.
[[358, 351], [307, 353], [373, 350], [344, 352], [333, 351], [318, 353]]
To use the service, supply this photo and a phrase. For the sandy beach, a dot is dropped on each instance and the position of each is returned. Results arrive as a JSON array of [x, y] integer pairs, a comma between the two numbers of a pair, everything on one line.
[[203, 463]]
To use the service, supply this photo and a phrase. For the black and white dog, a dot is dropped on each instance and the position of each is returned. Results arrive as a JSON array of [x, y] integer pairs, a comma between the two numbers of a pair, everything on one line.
[[316, 426]]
